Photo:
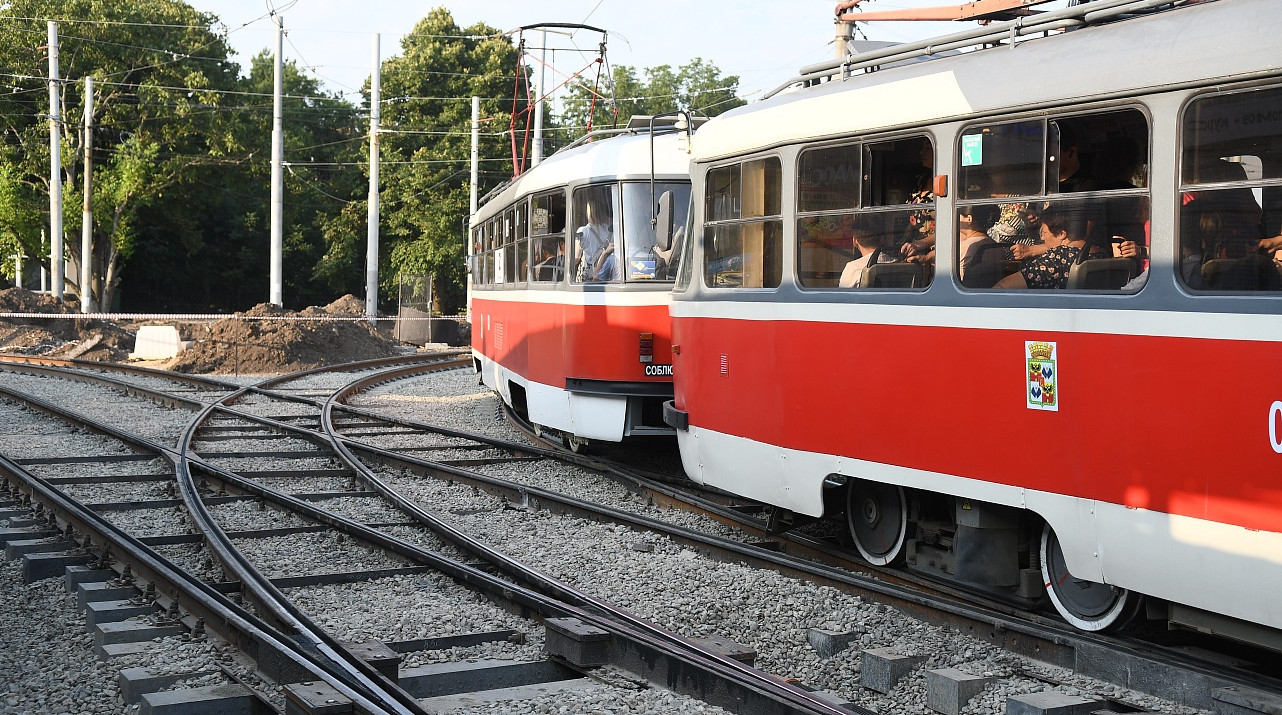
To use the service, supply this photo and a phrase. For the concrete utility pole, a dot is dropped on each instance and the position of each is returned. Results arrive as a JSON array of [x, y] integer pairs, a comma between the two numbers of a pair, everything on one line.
[[845, 33], [86, 221], [474, 183], [56, 264], [538, 101], [278, 160], [371, 244]]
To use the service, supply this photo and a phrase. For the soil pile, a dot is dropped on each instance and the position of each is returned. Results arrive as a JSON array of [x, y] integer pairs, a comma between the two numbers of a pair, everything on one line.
[[58, 337], [266, 339], [269, 339]]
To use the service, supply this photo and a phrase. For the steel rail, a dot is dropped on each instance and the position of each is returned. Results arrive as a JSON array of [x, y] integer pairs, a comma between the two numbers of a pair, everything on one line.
[[374, 688], [746, 685], [155, 567]]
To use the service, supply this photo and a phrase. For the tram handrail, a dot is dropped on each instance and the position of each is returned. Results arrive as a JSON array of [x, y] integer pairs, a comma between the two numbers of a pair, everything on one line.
[[1074, 16]]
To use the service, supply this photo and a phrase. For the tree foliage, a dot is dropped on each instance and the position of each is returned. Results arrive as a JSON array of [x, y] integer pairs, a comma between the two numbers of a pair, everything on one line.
[[182, 148], [697, 87]]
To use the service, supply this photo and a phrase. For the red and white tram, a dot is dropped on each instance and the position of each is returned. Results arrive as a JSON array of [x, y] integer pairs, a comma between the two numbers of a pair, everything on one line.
[[569, 294], [1014, 311]]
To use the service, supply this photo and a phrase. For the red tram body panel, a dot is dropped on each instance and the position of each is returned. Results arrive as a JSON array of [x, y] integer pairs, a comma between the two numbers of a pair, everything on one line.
[[1093, 415]]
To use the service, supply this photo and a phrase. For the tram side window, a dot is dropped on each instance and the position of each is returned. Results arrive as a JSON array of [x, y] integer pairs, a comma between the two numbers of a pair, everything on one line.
[[596, 234], [510, 260], [474, 261], [743, 235], [547, 237], [1060, 203], [521, 235], [874, 230], [1230, 230]]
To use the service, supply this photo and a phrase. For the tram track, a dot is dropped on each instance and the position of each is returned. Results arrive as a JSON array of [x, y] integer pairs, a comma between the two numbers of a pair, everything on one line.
[[364, 426], [692, 657]]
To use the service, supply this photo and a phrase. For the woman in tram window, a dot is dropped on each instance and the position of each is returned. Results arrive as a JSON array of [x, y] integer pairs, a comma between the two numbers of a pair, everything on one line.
[[1050, 269]]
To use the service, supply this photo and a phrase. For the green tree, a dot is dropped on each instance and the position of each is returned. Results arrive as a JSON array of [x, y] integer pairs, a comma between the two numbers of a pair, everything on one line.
[[696, 86], [159, 70], [426, 150]]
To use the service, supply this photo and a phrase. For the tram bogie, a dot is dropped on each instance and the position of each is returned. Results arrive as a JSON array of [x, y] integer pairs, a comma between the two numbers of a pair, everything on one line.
[[1009, 332]]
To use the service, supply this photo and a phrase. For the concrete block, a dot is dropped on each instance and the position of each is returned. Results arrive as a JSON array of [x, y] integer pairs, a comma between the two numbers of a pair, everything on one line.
[[23, 522], [437, 679], [880, 669], [135, 682], [1237, 700], [131, 632], [1050, 702], [156, 342], [724, 646], [380, 657], [76, 575], [116, 611], [315, 698], [232, 699], [40, 566], [15, 549], [829, 643], [949, 689], [24, 533], [87, 593], [579, 643], [12, 513]]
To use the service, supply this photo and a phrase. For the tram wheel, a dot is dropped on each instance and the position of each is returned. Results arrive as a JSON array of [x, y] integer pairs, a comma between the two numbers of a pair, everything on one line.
[[1087, 605], [577, 444], [877, 515]]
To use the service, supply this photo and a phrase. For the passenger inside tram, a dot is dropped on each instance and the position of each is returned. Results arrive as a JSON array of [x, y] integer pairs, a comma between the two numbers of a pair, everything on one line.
[[1051, 268], [866, 237], [551, 263], [593, 207]]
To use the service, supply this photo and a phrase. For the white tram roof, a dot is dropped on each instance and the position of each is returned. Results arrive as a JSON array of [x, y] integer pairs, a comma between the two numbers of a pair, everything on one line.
[[622, 157], [1197, 44]]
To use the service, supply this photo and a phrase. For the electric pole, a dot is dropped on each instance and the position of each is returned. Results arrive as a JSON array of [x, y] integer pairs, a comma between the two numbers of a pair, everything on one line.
[[86, 221], [371, 243], [56, 265], [278, 159]]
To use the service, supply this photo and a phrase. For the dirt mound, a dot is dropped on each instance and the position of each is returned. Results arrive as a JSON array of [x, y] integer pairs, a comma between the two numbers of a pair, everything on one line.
[[21, 300], [269, 339], [58, 337]]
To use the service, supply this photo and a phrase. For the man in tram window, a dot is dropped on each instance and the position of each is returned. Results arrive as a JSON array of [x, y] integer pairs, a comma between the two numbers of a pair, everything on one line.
[[551, 265], [866, 237]]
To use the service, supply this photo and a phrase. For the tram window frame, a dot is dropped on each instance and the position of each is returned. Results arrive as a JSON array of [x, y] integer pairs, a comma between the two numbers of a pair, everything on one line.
[[521, 237], [580, 198], [1230, 226], [511, 263], [547, 222], [892, 205], [1105, 202], [740, 215]]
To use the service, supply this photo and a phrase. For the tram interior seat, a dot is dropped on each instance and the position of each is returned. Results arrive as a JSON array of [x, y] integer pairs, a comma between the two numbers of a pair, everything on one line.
[[1101, 274], [1249, 273], [986, 264], [893, 275]]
